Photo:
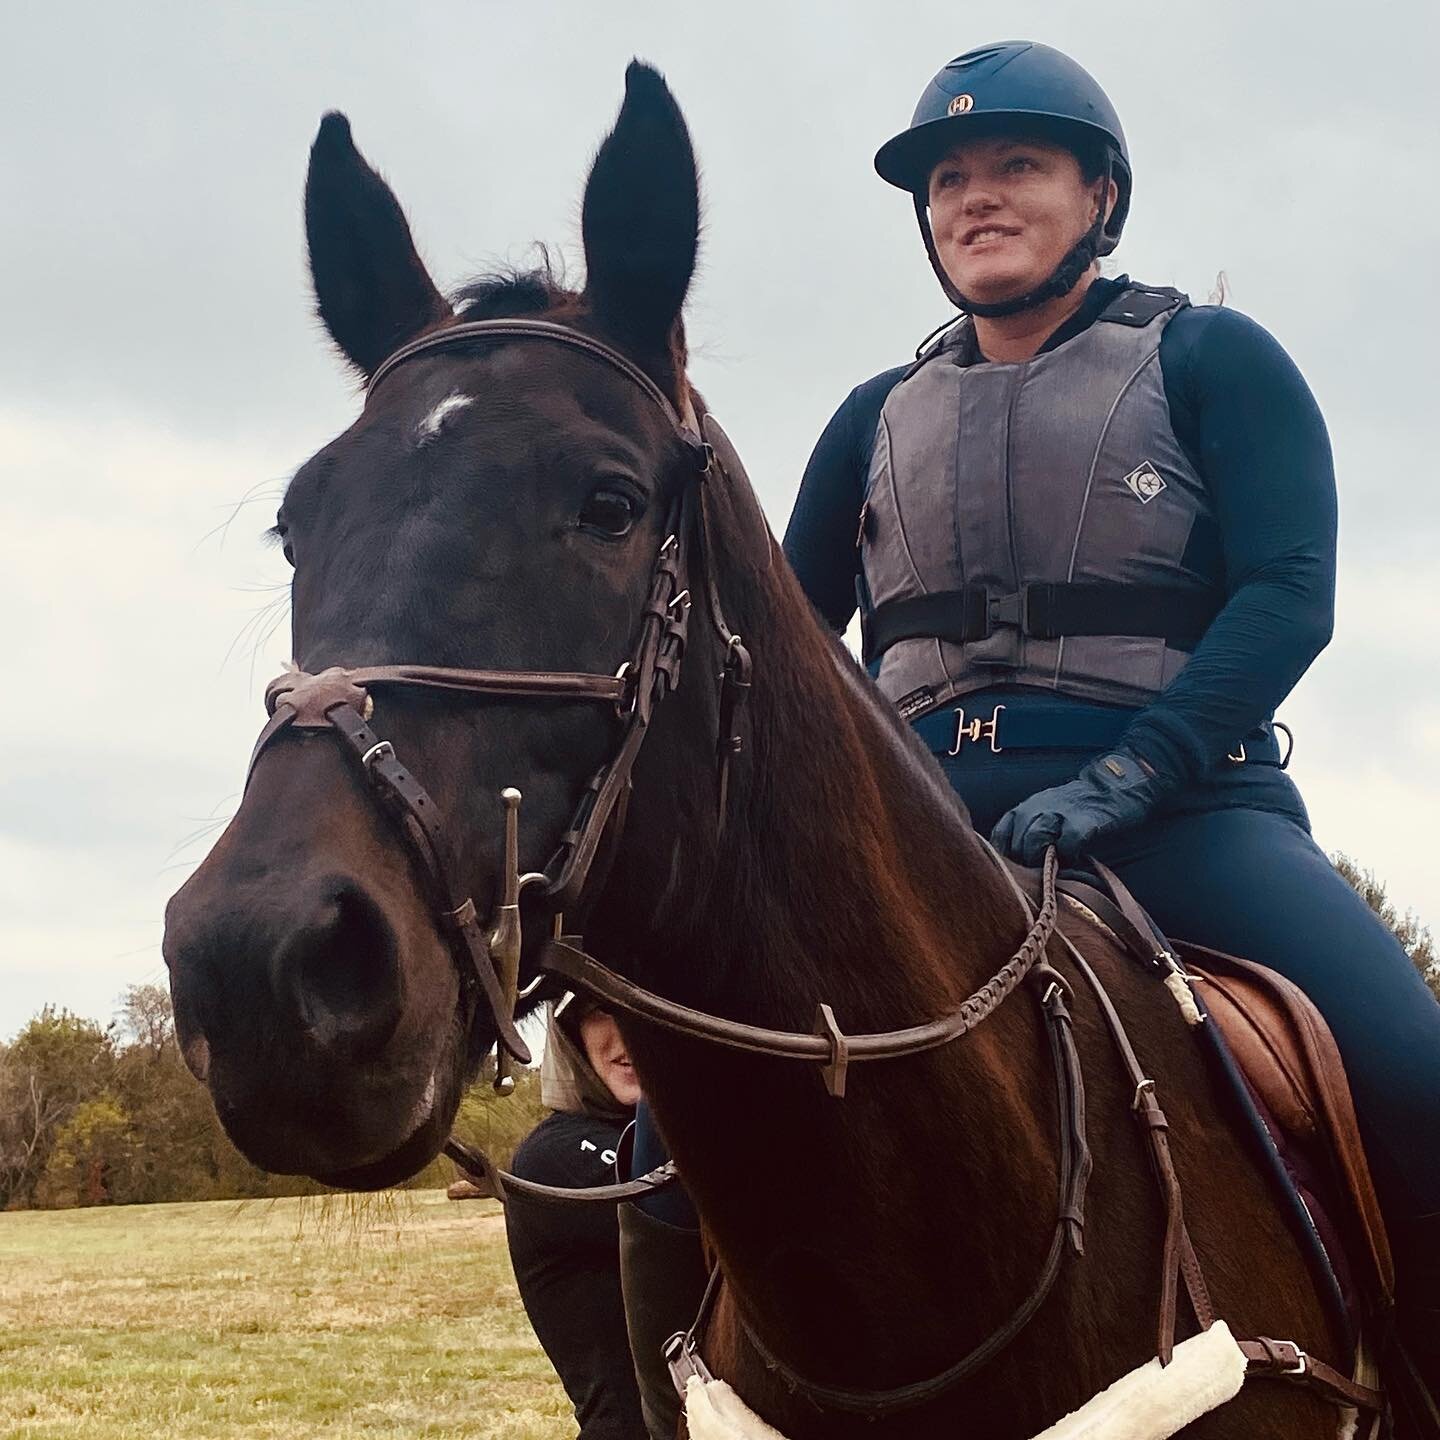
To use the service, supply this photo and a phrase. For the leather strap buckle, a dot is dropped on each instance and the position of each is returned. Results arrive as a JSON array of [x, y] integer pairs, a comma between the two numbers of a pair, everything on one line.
[[1298, 1367], [977, 730], [380, 750]]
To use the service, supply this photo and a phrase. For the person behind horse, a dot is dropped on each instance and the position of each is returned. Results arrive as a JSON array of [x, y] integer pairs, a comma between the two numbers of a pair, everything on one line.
[[1091, 533], [567, 1257]]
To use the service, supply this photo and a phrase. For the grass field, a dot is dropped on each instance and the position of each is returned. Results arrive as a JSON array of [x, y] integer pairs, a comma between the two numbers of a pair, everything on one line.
[[378, 1316]]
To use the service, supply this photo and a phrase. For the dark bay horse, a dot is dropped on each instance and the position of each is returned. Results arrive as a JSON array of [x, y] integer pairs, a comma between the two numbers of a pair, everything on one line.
[[502, 505]]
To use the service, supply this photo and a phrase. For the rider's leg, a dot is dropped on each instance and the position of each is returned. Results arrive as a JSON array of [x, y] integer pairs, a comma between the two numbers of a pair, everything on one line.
[[662, 1277], [1255, 884], [672, 1204]]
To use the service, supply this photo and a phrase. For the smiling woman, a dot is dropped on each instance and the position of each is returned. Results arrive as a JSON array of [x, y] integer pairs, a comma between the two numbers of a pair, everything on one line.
[[1092, 532], [1005, 209]]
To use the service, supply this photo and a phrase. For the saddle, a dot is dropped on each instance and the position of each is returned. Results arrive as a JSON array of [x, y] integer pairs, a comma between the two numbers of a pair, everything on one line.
[[1285, 1071], [1291, 1065]]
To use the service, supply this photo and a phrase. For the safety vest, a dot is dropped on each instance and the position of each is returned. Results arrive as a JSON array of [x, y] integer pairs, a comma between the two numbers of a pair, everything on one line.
[[1028, 523]]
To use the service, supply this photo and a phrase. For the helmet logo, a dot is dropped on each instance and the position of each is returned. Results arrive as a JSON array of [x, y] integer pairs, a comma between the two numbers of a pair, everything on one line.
[[960, 104]]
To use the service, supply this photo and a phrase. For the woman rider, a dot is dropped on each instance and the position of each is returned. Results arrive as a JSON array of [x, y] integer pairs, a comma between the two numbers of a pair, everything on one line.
[[1092, 536]]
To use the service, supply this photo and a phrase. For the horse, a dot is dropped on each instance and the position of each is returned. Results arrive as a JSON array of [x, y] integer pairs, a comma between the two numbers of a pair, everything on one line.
[[510, 500]]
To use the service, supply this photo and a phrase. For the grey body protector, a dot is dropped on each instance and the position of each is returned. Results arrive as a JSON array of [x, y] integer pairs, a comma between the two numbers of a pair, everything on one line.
[[1027, 524]]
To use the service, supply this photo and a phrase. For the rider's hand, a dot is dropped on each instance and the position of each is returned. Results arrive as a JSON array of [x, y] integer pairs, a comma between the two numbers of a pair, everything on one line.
[[1111, 793]]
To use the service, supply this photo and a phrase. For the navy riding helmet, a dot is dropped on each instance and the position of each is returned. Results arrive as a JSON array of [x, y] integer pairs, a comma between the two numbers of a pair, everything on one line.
[[1014, 87]]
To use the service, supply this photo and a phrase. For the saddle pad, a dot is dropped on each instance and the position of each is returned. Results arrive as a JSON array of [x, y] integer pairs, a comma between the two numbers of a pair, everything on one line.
[[1289, 1058], [1152, 1402]]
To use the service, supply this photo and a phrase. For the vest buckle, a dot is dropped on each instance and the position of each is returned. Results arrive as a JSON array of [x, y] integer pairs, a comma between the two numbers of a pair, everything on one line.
[[976, 730], [1007, 610]]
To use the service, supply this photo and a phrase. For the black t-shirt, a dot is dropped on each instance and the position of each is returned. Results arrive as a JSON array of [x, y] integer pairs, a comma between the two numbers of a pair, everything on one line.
[[1251, 427], [567, 1265]]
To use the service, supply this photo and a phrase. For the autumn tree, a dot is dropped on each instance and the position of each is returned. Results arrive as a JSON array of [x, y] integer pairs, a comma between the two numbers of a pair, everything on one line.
[[56, 1063], [145, 1017], [89, 1156], [1415, 939]]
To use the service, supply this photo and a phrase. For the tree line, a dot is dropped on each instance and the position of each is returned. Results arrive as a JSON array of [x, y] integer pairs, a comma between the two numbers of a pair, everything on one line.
[[109, 1115]]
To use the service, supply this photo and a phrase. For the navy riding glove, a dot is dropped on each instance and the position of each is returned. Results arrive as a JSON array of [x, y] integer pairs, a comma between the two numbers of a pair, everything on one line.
[[1111, 793]]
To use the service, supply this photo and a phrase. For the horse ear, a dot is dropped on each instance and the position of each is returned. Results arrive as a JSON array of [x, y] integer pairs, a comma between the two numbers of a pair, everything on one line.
[[641, 218], [372, 290]]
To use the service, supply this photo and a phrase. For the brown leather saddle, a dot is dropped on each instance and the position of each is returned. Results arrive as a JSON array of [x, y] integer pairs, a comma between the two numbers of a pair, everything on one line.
[[1291, 1065], [1289, 1079]]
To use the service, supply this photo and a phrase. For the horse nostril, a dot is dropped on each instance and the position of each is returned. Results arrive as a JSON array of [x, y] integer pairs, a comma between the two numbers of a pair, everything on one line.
[[196, 1052], [340, 974]]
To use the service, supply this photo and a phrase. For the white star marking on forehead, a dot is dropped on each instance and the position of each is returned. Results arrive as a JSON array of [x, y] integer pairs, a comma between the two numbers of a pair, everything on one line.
[[429, 427]]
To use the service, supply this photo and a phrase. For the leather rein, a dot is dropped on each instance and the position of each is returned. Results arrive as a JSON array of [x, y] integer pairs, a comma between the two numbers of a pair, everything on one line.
[[340, 701]]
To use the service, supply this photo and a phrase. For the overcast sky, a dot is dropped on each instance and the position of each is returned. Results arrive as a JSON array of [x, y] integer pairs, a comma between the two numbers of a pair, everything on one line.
[[161, 373]]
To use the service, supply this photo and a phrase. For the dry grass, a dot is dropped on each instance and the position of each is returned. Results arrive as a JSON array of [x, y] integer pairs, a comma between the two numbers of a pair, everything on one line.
[[379, 1317]]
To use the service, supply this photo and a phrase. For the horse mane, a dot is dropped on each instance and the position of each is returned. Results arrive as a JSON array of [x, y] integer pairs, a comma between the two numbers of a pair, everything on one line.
[[858, 760]]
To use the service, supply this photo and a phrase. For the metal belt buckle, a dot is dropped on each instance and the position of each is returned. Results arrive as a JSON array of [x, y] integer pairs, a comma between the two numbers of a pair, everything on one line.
[[976, 730], [1302, 1360]]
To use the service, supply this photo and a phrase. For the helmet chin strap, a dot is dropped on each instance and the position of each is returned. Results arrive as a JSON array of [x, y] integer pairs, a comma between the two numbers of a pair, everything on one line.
[[1061, 280]]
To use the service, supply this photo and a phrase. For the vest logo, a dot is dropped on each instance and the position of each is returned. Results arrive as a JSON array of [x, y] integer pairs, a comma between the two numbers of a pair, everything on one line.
[[1145, 482], [960, 104]]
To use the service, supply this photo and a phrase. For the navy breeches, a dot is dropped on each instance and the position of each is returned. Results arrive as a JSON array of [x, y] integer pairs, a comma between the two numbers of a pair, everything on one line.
[[1250, 881]]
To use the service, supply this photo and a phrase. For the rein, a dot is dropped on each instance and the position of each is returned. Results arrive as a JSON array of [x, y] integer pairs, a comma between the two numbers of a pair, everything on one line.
[[826, 1045]]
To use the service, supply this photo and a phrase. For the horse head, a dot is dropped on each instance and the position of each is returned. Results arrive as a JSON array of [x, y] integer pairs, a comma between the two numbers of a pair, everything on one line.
[[498, 504]]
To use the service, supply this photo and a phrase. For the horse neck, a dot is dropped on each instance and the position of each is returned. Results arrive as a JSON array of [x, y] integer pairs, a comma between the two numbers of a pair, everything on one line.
[[846, 867], [848, 873]]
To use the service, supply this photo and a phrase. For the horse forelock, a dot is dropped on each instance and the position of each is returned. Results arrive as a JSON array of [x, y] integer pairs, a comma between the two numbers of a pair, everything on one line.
[[511, 290], [543, 291]]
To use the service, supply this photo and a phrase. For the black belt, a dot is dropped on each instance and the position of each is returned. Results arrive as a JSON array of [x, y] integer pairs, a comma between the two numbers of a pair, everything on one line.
[[992, 729], [1043, 612]]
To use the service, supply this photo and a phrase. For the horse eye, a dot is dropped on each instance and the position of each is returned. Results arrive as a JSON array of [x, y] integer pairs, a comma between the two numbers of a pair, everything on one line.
[[609, 512], [280, 532]]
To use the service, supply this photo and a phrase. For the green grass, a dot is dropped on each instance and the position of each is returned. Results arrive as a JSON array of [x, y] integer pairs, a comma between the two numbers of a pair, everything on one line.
[[378, 1316]]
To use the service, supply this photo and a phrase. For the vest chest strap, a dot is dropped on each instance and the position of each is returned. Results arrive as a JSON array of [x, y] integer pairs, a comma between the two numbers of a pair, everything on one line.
[[1042, 612]]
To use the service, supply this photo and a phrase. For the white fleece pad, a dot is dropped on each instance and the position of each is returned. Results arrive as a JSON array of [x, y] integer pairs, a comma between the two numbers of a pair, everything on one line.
[[713, 1411], [1150, 1403]]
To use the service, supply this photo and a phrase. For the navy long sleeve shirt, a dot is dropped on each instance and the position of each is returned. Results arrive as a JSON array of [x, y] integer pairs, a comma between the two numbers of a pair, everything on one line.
[[1251, 427]]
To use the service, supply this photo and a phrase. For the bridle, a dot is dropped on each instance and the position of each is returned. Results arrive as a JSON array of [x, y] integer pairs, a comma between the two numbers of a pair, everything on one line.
[[340, 700]]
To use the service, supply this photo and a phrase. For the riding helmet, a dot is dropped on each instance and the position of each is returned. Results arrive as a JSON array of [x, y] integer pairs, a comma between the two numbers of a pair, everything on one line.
[[1003, 87]]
